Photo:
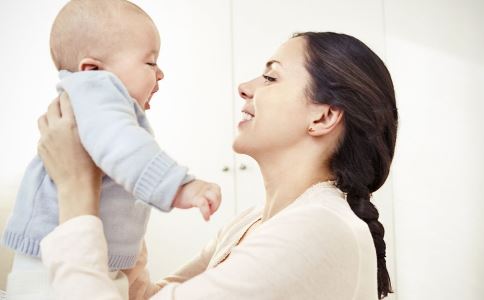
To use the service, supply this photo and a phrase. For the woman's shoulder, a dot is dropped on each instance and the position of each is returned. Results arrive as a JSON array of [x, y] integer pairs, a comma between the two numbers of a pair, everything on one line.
[[324, 202], [321, 216], [232, 229], [241, 220], [318, 237]]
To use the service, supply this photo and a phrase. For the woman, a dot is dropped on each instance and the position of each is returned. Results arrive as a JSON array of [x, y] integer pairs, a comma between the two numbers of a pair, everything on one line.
[[321, 122]]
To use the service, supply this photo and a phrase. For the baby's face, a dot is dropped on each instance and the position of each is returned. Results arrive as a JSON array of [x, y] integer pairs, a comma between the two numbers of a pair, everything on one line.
[[135, 65]]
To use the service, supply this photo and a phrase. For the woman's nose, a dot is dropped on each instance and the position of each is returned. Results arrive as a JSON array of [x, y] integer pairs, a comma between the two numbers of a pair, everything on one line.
[[246, 90], [159, 74]]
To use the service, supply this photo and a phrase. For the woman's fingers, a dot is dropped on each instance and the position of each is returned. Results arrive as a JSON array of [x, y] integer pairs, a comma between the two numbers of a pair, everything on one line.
[[65, 107], [58, 109], [42, 124], [53, 111], [77, 178]]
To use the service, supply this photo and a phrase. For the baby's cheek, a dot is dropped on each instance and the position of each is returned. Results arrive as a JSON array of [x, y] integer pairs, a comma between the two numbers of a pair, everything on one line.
[[141, 103], [134, 94], [137, 98]]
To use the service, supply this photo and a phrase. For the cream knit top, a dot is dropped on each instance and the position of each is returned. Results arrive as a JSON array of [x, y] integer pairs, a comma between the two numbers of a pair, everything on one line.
[[316, 248]]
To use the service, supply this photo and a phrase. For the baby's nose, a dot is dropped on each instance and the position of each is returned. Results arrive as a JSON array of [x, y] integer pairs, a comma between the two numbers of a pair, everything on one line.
[[159, 74]]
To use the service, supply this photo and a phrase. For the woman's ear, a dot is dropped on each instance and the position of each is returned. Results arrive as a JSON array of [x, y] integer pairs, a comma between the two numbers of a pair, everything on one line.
[[90, 64], [324, 119]]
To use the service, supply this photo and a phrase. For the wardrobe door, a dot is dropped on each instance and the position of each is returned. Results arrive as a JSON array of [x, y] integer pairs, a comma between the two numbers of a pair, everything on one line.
[[192, 118]]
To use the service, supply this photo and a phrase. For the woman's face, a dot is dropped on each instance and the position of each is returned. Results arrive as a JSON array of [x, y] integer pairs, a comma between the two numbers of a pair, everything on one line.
[[276, 111]]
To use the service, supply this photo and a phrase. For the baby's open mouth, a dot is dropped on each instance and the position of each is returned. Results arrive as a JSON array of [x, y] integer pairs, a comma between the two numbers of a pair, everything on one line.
[[147, 104]]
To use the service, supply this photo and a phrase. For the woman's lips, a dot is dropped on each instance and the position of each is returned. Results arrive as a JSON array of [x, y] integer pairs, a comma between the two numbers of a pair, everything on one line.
[[246, 117]]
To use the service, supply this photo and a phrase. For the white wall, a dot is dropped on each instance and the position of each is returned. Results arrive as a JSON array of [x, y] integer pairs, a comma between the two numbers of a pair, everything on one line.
[[27, 80], [27, 85], [435, 51]]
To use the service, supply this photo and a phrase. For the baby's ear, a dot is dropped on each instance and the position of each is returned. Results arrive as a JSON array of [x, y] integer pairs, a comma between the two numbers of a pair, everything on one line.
[[90, 64]]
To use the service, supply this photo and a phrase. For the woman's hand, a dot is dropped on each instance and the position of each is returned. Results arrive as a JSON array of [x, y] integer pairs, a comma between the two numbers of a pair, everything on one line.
[[77, 178]]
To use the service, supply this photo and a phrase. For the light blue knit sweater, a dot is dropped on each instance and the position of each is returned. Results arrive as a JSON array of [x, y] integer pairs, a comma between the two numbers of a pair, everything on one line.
[[115, 132]]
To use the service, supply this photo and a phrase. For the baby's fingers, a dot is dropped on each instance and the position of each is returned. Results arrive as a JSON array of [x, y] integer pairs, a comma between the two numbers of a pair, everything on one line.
[[214, 198], [204, 207]]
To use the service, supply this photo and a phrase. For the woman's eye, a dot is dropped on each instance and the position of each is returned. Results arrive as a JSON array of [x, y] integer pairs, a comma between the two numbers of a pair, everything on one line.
[[268, 78], [151, 64]]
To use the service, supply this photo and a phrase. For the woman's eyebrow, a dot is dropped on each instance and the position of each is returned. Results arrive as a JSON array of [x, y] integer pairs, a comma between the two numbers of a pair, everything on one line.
[[271, 62]]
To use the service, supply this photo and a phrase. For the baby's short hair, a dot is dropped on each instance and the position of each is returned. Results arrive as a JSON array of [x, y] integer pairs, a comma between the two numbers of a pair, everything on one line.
[[89, 28]]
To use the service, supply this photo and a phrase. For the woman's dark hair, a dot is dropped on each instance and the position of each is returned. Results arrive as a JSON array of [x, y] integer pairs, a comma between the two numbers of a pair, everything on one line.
[[346, 74]]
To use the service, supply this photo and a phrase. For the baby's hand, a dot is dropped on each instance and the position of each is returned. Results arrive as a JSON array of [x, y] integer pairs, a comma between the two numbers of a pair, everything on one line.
[[204, 195]]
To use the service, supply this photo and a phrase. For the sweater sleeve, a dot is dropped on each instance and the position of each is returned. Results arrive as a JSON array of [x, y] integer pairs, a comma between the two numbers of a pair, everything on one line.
[[79, 272], [107, 119]]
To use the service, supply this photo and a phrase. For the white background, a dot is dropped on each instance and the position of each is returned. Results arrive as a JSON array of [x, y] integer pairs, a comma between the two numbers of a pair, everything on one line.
[[430, 205]]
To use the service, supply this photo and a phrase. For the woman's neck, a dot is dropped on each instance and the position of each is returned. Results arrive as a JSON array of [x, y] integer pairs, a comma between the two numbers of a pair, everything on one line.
[[286, 178]]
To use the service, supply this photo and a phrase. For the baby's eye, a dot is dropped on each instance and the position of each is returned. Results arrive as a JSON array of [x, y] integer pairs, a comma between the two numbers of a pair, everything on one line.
[[268, 78], [151, 64]]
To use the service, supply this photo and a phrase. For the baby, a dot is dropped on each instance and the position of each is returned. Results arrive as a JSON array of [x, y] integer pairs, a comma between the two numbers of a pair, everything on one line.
[[106, 51]]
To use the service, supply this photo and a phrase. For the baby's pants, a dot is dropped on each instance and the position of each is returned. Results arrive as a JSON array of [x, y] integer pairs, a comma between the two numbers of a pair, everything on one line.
[[29, 280]]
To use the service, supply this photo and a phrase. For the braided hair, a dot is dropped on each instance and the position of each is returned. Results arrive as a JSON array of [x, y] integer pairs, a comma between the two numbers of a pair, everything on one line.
[[345, 73]]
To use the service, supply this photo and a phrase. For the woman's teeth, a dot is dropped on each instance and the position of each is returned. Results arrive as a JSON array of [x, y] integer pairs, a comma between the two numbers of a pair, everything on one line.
[[247, 116]]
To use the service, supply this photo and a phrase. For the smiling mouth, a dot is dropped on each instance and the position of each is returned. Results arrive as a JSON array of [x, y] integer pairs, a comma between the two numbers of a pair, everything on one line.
[[247, 116], [147, 103]]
